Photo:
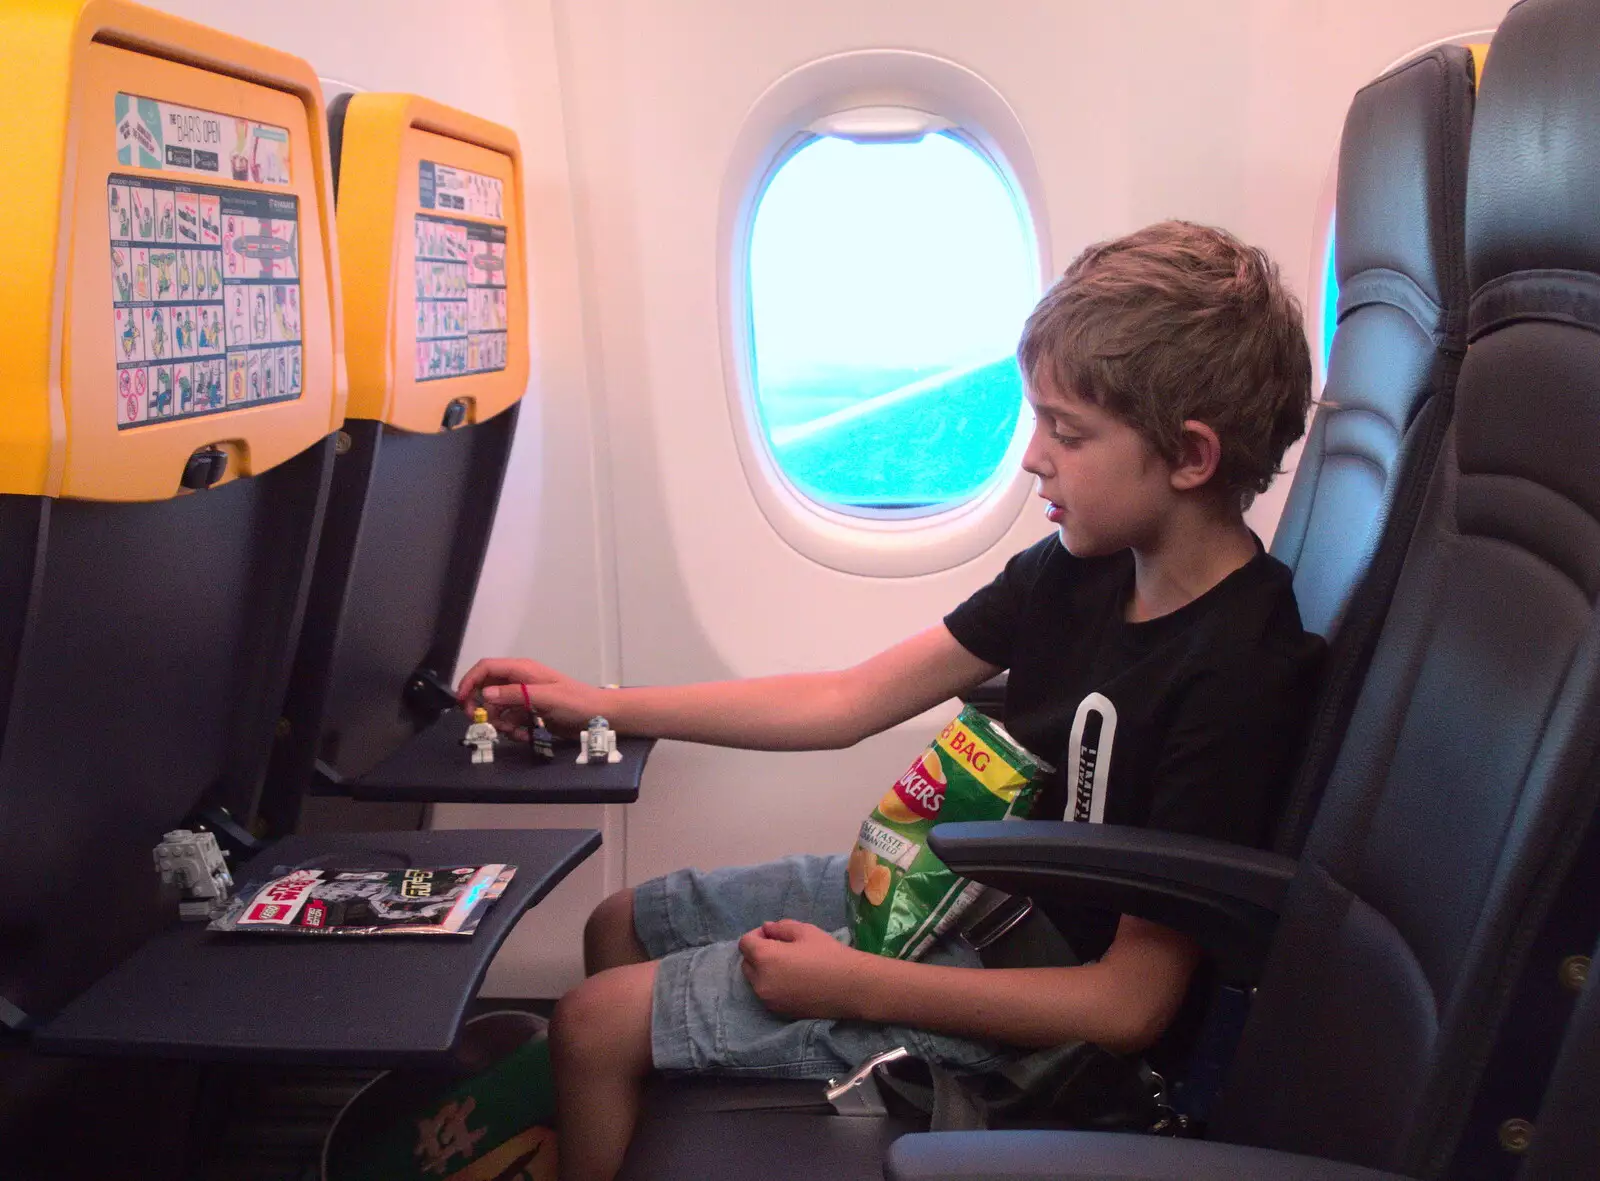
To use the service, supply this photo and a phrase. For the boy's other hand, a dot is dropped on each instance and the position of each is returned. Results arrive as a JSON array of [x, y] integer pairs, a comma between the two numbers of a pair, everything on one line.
[[510, 686], [799, 970]]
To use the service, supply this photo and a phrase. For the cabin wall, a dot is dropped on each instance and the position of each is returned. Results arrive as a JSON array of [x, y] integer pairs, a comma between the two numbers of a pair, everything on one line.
[[628, 546]]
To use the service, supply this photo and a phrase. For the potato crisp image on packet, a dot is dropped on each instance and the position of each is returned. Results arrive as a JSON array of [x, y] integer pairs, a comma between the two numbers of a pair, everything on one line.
[[902, 897]]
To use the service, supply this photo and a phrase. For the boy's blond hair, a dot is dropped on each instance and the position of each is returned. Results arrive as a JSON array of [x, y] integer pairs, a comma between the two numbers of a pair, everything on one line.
[[1179, 321]]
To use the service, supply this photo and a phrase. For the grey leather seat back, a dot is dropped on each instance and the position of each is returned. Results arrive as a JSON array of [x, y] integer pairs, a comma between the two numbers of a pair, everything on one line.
[[1375, 437], [1467, 777], [1401, 325]]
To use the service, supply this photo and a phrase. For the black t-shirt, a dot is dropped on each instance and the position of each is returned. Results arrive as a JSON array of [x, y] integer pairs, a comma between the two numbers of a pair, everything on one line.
[[1191, 722]]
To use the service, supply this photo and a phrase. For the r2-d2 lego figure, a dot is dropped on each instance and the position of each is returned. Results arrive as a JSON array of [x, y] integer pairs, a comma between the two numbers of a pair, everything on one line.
[[193, 862], [481, 737], [598, 743]]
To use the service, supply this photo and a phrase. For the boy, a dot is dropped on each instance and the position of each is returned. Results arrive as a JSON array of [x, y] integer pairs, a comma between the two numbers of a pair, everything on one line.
[[1156, 658]]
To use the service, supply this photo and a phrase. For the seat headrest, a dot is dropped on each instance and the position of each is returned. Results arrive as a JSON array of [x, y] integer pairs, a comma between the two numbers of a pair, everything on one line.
[[1533, 197], [1402, 165]]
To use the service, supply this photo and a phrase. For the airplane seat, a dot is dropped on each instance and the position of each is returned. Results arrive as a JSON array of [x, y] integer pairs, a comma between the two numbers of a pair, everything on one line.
[[157, 523], [145, 688], [1400, 335], [1401, 328], [1374, 439], [422, 455], [430, 217], [1461, 810], [1567, 1128]]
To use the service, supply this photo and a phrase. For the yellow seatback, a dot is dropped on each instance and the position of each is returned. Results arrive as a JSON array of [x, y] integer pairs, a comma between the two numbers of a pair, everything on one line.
[[127, 111], [431, 227]]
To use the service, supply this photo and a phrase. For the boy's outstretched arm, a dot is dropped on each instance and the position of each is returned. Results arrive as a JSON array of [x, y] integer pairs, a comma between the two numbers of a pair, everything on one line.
[[798, 711], [1123, 1001]]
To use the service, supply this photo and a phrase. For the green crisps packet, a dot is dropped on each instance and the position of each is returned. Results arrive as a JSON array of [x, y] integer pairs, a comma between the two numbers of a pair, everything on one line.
[[902, 897]]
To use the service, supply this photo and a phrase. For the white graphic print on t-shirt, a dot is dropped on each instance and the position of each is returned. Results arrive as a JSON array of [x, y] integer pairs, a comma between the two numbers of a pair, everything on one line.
[[1088, 770]]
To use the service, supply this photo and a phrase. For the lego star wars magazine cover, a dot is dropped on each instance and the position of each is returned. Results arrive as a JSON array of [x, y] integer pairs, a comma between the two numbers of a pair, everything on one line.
[[433, 901]]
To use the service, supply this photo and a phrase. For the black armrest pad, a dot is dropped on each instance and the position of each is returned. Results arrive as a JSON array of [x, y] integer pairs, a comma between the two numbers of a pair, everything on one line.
[[990, 696], [1226, 897], [1093, 1156]]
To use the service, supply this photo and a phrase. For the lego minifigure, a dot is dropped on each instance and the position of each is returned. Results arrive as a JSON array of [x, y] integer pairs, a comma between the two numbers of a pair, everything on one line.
[[481, 737], [193, 862], [540, 742], [598, 743]]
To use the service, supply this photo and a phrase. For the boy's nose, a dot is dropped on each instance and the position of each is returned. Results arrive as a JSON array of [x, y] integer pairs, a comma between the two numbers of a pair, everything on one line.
[[1033, 457]]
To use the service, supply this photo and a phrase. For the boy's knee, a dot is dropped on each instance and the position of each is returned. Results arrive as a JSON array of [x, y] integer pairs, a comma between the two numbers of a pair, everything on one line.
[[605, 1020], [578, 1021], [609, 939]]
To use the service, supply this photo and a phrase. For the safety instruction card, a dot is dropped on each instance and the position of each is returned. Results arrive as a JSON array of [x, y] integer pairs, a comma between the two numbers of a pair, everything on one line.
[[461, 274], [205, 278]]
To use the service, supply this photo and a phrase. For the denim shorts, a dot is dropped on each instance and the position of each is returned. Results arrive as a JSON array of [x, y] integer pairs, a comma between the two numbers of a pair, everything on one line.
[[705, 1017]]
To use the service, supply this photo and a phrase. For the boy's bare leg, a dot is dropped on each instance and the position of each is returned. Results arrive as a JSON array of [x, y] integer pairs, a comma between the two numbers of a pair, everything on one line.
[[609, 940], [600, 1050]]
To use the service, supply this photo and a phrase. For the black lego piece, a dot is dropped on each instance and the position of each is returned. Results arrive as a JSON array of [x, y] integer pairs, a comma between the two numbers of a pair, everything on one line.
[[383, 1001], [204, 468], [434, 766]]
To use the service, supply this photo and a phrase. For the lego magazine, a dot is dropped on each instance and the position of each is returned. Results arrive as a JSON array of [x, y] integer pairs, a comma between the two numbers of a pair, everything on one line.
[[438, 901]]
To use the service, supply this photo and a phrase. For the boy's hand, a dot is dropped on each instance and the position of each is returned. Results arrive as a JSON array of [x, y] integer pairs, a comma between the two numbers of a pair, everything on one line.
[[509, 687], [799, 970]]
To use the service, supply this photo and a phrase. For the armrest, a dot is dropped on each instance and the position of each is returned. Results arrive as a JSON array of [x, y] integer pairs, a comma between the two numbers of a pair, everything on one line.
[[1093, 1156], [1225, 897], [990, 696]]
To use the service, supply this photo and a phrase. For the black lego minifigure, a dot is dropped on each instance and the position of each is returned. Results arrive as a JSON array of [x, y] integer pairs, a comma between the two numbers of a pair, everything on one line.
[[540, 742]]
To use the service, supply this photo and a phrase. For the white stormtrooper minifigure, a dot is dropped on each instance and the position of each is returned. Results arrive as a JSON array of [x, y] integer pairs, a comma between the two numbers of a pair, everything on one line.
[[481, 737], [193, 862], [598, 743]]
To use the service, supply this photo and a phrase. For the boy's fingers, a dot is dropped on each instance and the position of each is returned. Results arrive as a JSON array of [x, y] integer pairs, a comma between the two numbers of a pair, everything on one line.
[[504, 694], [475, 677], [500, 669], [788, 930], [749, 942]]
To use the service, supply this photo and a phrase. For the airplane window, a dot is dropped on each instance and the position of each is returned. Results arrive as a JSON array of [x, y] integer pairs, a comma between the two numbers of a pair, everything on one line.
[[1330, 302], [888, 284]]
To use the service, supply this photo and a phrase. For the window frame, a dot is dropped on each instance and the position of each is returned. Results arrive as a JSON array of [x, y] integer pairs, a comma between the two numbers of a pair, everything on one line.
[[889, 542]]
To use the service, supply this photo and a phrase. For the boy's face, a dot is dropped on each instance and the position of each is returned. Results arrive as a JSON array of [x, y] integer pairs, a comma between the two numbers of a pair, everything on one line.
[[1107, 488]]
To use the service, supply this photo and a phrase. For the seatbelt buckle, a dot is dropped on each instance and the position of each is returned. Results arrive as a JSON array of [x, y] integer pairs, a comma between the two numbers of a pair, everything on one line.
[[987, 928], [858, 1094]]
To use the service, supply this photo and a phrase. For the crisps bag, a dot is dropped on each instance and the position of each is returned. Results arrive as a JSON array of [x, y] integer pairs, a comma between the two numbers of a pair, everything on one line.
[[902, 897]]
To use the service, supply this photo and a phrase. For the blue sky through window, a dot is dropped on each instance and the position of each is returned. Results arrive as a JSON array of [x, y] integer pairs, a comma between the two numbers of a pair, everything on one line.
[[888, 286], [1330, 305]]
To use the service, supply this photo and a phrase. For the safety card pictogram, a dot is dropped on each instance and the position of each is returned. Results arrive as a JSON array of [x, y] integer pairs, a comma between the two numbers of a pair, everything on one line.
[[206, 298]]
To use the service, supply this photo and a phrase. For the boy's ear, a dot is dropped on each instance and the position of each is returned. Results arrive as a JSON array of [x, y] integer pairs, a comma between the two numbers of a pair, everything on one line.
[[1199, 453]]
